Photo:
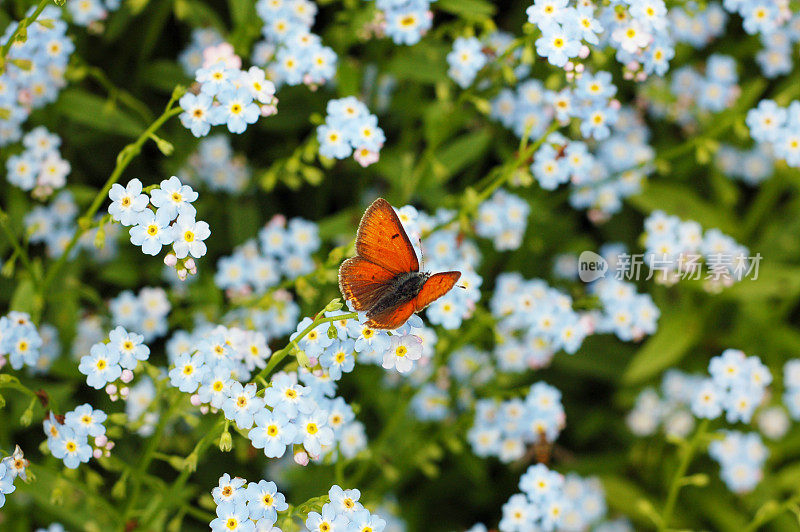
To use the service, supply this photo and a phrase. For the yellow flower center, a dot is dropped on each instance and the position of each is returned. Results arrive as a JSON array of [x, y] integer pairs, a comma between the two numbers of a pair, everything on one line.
[[125, 201], [401, 351], [71, 447], [188, 236], [312, 428], [101, 364], [272, 430], [152, 230]]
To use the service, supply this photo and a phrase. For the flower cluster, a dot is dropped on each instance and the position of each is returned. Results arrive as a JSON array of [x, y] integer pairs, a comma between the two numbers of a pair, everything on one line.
[[68, 437], [737, 386], [227, 95], [777, 128], [506, 429], [692, 93], [282, 249], [20, 340], [165, 217], [550, 501], [544, 318], [629, 315], [90, 12], [697, 25], [752, 166], [504, 219], [33, 71], [350, 129], [244, 506], [465, 60], [672, 412], [191, 58], [218, 360], [600, 178], [290, 52], [145, 313], [677, 249], [741, 457], [215, 166], [777, 28], [638, 32], [211, 352], [114, 360], [344, 512], [40, 167], [405, 21]]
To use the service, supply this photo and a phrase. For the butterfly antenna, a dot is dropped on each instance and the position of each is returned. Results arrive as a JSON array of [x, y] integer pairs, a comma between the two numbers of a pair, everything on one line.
[[421, 254]]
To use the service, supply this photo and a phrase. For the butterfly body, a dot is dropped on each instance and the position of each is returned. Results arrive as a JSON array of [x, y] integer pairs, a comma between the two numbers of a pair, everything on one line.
[[383, 279]]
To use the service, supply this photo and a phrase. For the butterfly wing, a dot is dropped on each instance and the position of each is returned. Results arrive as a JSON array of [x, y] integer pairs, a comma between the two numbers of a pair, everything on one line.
[[363, 282], [435, 287], [382, 240], [391, 318]]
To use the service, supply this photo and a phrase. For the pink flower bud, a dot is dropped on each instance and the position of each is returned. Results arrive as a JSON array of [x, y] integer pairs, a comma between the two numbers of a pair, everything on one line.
[[301, 458], [171, 260], [189, 264], [204, 409], [101, 440], [111, 389], [182, 274], [127, 376], [195, 400], [124, 391], [97, 453], [110, 445]]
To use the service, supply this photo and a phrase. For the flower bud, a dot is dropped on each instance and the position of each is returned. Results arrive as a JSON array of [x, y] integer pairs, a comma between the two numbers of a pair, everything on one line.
[[195, 400], [127, 376], [170, 260], [225, 442], [301, 457], [101, 440]]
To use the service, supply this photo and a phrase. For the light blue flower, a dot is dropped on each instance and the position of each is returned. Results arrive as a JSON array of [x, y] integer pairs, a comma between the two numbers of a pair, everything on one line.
[[152, 231], [100, 366]]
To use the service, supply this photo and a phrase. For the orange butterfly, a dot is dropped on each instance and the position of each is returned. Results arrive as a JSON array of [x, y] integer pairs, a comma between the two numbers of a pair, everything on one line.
[[383, 278]]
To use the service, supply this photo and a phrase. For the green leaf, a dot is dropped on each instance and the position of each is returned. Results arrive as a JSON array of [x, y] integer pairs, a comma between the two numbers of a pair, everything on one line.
[[775, 281], [24, 296], [677, 332], [163, 75], [682, 201], [467, 8], [406, 65], [460, 153], [93, 111]]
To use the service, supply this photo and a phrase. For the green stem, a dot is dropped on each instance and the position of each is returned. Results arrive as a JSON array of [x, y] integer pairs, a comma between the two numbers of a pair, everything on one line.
[[763, 518], [149, 454], [277, 356], [124, 158], [677, 480], [21, 252], [24, 23]]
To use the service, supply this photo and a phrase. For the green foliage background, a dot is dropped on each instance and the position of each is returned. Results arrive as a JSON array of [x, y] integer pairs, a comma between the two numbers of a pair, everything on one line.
[[440, 145]]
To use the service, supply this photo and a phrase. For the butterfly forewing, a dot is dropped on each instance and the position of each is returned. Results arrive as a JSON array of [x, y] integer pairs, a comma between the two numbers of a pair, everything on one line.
[[382, 240], [363, 282], [435, 287]]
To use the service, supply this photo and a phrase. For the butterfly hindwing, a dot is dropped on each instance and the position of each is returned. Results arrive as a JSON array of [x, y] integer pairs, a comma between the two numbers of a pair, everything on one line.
[[435, 287], [392, 317], [363, 282], [382, 240]]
